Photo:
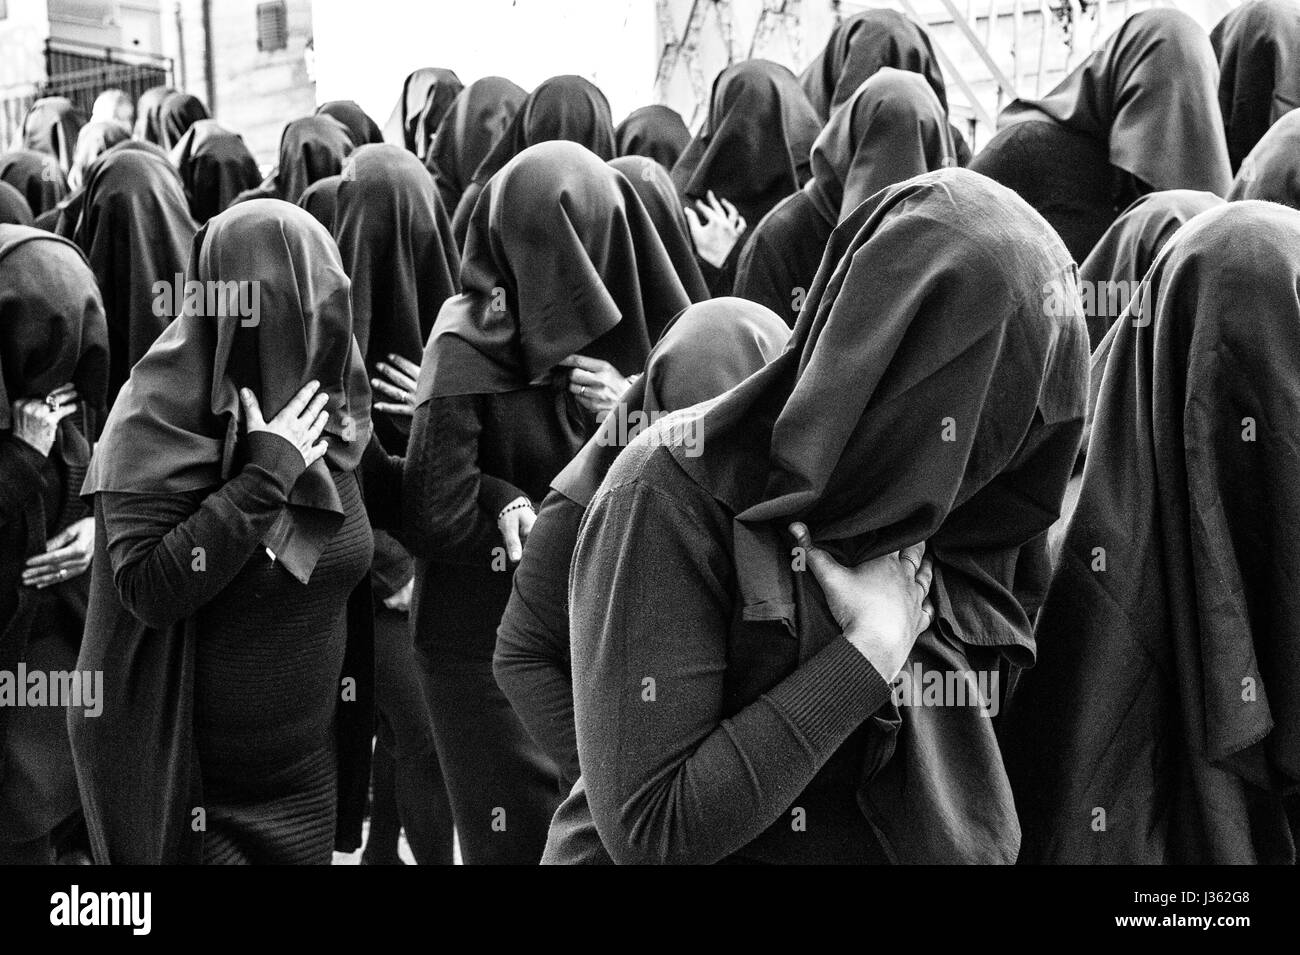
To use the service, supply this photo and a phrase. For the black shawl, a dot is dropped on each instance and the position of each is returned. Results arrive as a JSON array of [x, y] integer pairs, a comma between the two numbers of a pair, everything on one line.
[[51, 127], [321, 199], [175, 115], [147, 126], [1271, 171], [13, 207], [476, 120], [654, 131], [654, 188], [311, 148], [1258, 46], [37, 176], [215, 167], [361, 127], [426, 95], [96, 138]]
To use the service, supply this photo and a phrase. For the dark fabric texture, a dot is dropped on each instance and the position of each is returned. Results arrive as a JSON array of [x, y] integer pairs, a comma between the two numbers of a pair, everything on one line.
[[1129, 248], [561, 258], [13, 206], [476, 120], [1150, 96], [215, 167], [135, 229], [176, 114], [1258, 46], [426, 95], [777, 266], [51, 127], [1168, 641], [709, 348], [861, 45], [37, 176], [654, 187], [95, 139], [148, 125], [1271, 171], [361, 127], [321, 199], [560, 108], [657, 132], [958, 341], [310, 149]]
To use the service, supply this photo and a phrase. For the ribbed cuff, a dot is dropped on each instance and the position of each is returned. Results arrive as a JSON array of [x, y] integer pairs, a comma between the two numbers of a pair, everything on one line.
[[277, 457], [829, 696]]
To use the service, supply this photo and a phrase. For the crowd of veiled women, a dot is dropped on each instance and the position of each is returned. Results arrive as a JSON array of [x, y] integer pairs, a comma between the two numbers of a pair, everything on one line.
[[582, 493]]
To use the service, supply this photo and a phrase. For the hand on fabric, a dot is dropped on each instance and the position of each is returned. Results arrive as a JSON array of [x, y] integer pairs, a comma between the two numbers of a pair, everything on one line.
[[401, 601], [398, 384], [720, 230], [36, 420], [515, 522], [67, 555], [597, 384], [881, 605], [300, 422]]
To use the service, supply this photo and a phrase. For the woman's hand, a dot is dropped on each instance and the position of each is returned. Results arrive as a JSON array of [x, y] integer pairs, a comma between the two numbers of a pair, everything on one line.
[[401, 601], [398, 384], [67, 555], [881, 605], [597, 384], [300, 422], [515, 522], [36, 420], [720, 230]]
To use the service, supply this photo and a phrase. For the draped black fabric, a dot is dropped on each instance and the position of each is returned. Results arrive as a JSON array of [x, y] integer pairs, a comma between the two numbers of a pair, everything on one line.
[[13, 206], [215, 167], [321, 200], [1271, 171], [861, 45], [1109, 274], [561, 258], [37, 176], [135, 229], [395, 241], [655, 131], [311, 148], [1258, 46], [361, 127], [472, 126], [1150, 97], [175, 115], [1169, 640], [147, 126], [63, 218], [561, 108], [753, 149], [654, 187], [96, 138], [51, 127], [426, 95]]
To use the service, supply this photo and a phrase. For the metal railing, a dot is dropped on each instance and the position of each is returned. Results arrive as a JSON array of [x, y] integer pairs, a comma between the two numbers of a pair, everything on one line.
[[81, 71]]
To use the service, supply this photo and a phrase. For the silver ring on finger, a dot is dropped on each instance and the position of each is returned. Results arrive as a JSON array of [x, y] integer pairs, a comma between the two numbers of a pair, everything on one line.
[[63, 573], [52, 402], [583, 392]]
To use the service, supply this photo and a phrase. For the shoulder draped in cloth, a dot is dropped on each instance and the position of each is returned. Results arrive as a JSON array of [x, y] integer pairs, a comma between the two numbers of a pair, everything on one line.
[[311, 148], [655, 131], [426, 95], [652, 184], [1271, 171], [1258, 45], [1129, 247], [136, 765], [1150, 96], [176, 114], [561, 258], [215, 167], [473, 124], [96, 138], [37, 176], [321, 200], [1161, 723]]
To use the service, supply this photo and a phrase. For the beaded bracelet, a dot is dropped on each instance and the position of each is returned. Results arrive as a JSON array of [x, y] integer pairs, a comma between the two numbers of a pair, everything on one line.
[[517, 505]]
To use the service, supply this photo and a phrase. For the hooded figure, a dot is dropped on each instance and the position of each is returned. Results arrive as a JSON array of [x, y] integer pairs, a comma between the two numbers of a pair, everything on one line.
[[1271, 171], [1168, 643], [891, 129], [475, 122], [51, 127], [426, 95], [654, 187], [13, 207], [311, 148], [95, 139], [361, 127], [173, 118], [962, 420], [654, 131], [37, 176], [321, 200], [1258, 46], [215, 167], [147, 127]]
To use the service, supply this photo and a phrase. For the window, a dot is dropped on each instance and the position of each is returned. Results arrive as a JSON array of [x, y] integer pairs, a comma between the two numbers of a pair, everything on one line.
[[272, 26]]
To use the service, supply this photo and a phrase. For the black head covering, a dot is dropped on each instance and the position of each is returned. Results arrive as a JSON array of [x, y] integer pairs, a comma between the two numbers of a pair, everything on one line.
[[96, 138], [175, 115], [654, 187], [135, 229], [13, 207], [426, 95], [561, 258], [1128, 249], [861, 45], [1144, 666], [146, 114], [654, 131], [311, 148], [754, 147], [472, 126], [215, 167], [321, 199], [1258, 46], [891, 129], [395, 242], [37, 176], [1149, 95], [361, 127], [51, 127], [1271, 171]]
